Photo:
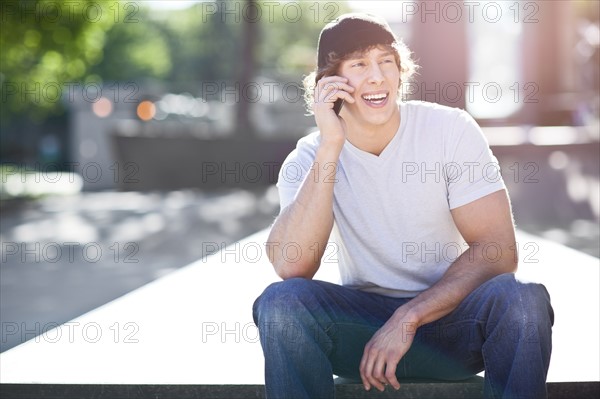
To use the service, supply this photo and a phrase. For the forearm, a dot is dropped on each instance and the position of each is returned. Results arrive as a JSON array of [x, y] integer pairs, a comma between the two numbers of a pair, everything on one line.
[[304, 226], [468, 272], [390, 343]]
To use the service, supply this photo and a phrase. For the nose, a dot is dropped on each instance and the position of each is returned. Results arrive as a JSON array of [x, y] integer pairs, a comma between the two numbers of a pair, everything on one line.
[[376, 76]]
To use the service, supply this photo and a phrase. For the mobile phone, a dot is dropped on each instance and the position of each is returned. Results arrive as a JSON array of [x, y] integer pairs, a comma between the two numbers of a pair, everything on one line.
[[337, 105]]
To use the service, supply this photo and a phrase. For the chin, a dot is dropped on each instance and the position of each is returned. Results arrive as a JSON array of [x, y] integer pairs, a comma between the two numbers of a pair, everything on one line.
[[379, 118], [369, 116]]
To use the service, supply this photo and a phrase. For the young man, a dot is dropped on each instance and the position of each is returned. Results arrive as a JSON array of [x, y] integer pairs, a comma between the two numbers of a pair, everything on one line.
[[411, 195]]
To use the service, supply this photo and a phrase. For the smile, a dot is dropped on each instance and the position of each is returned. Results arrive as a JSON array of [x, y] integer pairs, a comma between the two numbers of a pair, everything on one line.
[[375, 99]]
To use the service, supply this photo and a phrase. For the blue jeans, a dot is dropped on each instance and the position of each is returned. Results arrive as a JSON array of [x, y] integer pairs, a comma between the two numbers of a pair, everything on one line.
[[310, 330]]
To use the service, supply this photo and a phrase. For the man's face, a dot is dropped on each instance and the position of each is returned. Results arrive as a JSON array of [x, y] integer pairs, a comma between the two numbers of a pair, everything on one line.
[[375, 77]]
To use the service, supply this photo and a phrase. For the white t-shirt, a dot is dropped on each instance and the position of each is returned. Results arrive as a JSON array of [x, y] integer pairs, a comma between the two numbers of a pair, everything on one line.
[[393, 230]]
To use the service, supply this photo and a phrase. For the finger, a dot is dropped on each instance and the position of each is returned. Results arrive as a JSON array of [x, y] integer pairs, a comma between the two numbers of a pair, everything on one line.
[[377, 377], [324, 93], [328, 94], [371, 381], [332, 78], [340, 95], [362, 369], [346, 96], [338, 86], [330, 89], [390, 374]]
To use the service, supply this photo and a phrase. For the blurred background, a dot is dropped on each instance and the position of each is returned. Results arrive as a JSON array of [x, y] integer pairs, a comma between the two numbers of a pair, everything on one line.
[[139, 136]]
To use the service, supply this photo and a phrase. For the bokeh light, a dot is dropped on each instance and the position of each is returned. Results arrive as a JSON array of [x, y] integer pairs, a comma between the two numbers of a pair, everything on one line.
[[102, 108], [146, 110]]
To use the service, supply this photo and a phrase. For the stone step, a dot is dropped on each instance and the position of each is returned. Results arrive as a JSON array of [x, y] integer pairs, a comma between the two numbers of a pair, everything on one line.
[[438, 390]]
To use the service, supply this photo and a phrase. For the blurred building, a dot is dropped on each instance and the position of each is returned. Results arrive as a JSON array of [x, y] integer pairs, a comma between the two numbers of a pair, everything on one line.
[[520, 64]]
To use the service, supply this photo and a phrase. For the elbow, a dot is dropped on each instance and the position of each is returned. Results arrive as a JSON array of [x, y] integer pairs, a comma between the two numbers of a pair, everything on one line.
[[513, 263], [510, 266], [290, 275], [287, 270], [509, 261], [499, 257], [287, 267]]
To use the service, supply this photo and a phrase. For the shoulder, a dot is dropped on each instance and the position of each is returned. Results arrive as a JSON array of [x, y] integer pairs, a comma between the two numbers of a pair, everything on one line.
[[447, 121], [306, 149], [424, 108], [296, 165], [310, 142]]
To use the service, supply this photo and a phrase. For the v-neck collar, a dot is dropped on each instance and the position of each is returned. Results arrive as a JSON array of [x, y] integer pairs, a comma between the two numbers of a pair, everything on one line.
[[389, 149]]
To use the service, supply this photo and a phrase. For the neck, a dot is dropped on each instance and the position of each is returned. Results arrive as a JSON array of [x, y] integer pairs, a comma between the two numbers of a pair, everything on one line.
[[373, 138]]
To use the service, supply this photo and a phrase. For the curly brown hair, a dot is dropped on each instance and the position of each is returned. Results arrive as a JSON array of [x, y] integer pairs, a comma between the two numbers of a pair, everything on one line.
[[401, 52]]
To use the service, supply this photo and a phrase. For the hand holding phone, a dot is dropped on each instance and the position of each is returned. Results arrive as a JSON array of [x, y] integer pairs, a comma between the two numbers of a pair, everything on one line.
[[331, 92], [337, 106], [334, 88]]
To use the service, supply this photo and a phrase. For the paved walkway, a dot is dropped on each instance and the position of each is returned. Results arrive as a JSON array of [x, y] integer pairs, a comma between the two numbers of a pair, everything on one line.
[[194, 326], [66, 255]]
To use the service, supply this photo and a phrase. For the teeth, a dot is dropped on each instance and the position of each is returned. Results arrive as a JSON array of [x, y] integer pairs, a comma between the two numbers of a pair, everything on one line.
[[375, 97]]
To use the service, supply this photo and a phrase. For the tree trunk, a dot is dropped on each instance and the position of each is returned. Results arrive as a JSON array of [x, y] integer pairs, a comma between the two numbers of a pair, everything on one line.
[[247, 68]]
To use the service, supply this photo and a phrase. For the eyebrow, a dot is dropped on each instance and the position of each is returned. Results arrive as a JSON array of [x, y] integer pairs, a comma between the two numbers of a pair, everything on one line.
[[362, 56]]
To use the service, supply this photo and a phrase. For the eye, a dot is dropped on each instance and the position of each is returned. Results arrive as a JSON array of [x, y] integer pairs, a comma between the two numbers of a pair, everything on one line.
[[358, 64]]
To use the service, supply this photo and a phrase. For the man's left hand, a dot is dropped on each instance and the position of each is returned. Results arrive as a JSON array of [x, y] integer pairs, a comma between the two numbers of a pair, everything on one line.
[[384, 351]]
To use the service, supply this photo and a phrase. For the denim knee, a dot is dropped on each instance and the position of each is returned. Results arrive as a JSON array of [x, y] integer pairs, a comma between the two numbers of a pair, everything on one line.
[[521, 302], [279, 300]]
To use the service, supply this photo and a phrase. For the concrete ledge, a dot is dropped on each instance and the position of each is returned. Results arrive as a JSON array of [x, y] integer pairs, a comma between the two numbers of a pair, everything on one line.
[[177, 335], [439, 390]]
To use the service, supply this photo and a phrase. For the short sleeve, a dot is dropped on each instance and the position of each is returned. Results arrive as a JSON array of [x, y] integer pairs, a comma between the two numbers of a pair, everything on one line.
[[471, 170], [295, 169]]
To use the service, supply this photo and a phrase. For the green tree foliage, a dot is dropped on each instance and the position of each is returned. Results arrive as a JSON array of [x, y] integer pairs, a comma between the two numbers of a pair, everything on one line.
[[206, 39], [136, 47], [204, 46], [49, 43], [288, 41], [44, 44]]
